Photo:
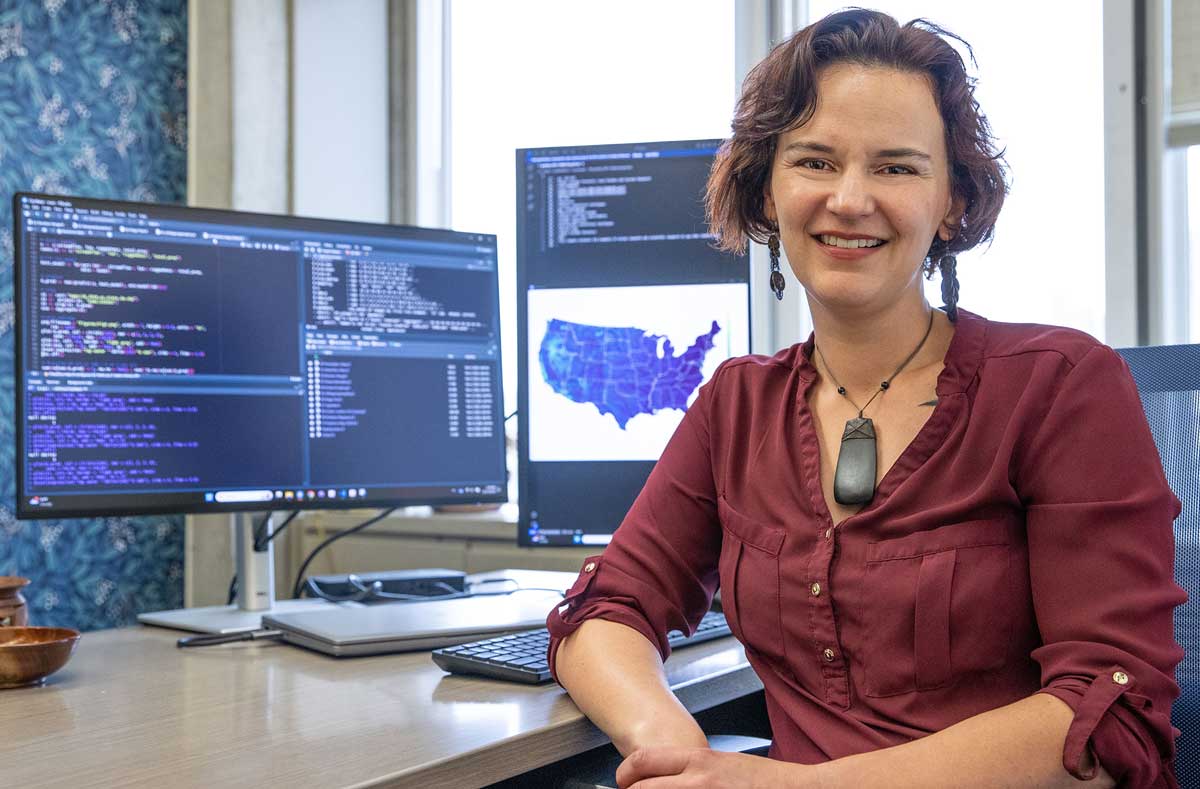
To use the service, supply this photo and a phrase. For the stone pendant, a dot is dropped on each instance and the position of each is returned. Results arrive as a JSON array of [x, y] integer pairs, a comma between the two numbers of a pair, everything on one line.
[[854, 480]]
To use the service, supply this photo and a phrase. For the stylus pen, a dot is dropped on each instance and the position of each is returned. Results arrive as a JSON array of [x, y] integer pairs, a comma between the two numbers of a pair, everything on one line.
[[210, 639]]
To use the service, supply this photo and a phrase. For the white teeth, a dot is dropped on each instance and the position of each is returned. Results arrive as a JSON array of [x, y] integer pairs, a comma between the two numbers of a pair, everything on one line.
[[850, 243]]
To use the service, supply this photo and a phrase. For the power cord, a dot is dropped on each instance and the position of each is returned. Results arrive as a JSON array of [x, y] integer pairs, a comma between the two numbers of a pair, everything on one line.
[[298, 587], [260, 544]]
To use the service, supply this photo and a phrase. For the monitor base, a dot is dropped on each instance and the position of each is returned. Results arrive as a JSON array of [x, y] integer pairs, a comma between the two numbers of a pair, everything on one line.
[[225, 618], [255, 573]]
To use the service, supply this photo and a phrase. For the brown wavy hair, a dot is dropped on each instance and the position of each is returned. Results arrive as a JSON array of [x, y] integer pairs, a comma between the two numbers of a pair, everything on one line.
[[780, 94]]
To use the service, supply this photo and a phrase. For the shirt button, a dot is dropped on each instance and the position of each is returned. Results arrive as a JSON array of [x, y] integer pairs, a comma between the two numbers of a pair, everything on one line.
[[1121, 678], [829, 532], [587, 568], [815, 589], [829, 655]]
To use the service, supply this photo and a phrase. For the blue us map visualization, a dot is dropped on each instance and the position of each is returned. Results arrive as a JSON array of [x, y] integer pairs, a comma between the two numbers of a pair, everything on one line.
[[622, 371]]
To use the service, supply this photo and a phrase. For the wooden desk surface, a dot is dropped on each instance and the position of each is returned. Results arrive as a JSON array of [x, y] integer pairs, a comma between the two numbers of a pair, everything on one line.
[[132, 709]]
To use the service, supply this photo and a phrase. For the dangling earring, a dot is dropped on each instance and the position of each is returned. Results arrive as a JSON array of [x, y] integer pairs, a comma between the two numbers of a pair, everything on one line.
[[777, 281], [948, 265]]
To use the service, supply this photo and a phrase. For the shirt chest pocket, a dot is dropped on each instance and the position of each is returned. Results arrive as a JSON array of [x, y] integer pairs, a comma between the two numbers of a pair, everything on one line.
[[942, 605], [750, 583]]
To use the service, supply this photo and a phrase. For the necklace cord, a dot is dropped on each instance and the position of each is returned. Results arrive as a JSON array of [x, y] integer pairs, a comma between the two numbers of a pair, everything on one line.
[[887, 381]]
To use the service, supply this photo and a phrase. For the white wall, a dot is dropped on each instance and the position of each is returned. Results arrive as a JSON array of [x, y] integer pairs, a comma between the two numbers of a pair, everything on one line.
[[340, 109], [259, 61]]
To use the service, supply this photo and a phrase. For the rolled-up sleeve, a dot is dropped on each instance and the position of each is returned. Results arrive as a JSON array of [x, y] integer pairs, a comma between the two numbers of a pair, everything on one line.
[[1101, 559], [659, 573]]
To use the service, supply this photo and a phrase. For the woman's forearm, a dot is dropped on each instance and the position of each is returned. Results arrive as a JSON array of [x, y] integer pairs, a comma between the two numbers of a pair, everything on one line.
[[1020, 744], [615, 676]]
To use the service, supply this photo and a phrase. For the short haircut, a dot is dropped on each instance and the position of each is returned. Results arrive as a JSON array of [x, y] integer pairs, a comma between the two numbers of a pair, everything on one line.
[[780, 94]]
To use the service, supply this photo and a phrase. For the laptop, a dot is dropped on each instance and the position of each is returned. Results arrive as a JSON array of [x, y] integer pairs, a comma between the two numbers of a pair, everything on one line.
[[413, 626]]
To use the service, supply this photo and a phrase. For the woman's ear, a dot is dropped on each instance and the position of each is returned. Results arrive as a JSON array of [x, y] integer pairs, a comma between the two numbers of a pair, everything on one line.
[[769, 205], [952, 221]]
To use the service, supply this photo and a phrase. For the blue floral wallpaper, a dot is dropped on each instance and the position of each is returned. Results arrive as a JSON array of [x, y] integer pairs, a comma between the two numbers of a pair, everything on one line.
[[93, 102]]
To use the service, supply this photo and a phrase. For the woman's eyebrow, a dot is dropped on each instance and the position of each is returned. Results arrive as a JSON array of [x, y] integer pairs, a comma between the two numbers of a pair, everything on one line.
[[886, 153], [903, 153], [808, 145]]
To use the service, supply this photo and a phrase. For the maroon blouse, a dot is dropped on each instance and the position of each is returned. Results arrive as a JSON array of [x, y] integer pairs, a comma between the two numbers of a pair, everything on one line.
[[1021, 543]]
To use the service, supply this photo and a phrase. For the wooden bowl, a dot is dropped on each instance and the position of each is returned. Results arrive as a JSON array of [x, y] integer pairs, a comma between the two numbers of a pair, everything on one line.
[[30, 654]]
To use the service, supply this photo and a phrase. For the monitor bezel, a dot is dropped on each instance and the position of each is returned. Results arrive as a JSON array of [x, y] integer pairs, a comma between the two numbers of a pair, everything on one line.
[[24, 511]]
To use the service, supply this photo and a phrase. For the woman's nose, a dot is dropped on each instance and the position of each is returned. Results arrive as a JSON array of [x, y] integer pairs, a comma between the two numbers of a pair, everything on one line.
[[850, 197]]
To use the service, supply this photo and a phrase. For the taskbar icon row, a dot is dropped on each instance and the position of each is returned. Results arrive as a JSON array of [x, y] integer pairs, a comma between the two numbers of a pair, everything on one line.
[[260, 496]]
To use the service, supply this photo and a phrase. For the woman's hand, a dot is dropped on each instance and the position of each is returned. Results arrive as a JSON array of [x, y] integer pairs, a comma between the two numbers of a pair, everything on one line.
[[667, 768]]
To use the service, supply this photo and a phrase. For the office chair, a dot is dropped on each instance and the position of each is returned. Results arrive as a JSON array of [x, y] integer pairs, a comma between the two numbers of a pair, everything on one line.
[[1168, 379]]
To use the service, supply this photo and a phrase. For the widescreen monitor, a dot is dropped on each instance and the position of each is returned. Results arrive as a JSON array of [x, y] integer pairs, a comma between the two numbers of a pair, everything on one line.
[[625, 308], [187, 360]]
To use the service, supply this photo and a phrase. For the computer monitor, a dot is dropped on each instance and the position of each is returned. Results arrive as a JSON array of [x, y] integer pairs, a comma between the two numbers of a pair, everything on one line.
[[186, 360], [625, 308]]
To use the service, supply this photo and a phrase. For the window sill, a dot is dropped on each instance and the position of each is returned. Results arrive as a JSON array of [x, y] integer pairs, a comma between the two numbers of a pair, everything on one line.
[[497, 524]]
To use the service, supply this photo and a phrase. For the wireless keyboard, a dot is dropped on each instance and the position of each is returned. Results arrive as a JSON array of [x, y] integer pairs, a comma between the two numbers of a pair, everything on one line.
[[521, 657]]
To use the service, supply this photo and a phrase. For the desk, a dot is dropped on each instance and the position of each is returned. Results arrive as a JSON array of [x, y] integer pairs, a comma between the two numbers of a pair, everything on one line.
[[133, 709]]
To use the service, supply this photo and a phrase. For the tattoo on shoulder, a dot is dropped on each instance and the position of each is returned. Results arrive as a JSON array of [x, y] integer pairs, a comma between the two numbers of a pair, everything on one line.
[[930, 403]]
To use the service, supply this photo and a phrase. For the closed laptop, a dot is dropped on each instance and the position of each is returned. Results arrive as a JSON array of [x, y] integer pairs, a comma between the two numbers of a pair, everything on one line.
[[412, 626]]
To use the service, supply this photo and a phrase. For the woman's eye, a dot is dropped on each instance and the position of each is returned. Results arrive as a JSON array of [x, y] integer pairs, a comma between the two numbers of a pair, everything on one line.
[[898, 169], [814, 164]]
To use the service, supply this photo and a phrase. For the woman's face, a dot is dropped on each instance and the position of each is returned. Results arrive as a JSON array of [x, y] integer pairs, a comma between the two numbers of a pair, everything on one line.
[[860, 189]]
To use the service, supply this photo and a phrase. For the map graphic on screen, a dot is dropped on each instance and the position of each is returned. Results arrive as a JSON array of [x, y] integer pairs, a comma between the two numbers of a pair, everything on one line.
[[612, 370], [623, 371]]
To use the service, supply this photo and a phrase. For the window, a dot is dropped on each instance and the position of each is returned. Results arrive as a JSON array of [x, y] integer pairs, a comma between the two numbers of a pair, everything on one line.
[[1046, 262], [546, 73]]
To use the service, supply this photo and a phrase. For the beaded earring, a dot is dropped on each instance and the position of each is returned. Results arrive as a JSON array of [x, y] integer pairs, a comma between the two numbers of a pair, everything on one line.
[[777, 281]]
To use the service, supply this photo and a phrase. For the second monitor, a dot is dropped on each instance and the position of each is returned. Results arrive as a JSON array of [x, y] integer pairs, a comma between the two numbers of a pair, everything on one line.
[[624, 309]]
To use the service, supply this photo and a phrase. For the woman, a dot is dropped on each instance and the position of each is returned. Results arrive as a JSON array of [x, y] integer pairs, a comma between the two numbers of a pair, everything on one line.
[[945, 542]]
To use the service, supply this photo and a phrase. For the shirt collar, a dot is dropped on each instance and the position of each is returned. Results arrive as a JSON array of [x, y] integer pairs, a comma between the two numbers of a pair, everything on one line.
[[964, 354]]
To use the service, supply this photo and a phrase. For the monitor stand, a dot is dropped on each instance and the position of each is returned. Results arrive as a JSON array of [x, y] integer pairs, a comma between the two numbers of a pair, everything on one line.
[[256, 591]]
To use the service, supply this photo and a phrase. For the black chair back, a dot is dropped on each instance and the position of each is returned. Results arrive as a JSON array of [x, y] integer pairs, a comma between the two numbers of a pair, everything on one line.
[[1168, 380]]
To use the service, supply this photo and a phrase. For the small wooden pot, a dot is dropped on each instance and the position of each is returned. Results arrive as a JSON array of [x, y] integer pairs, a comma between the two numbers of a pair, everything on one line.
[[13, 611]]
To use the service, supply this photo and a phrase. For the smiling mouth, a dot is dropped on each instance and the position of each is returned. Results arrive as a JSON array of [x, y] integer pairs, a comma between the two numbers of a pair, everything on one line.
[[850, 243]]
